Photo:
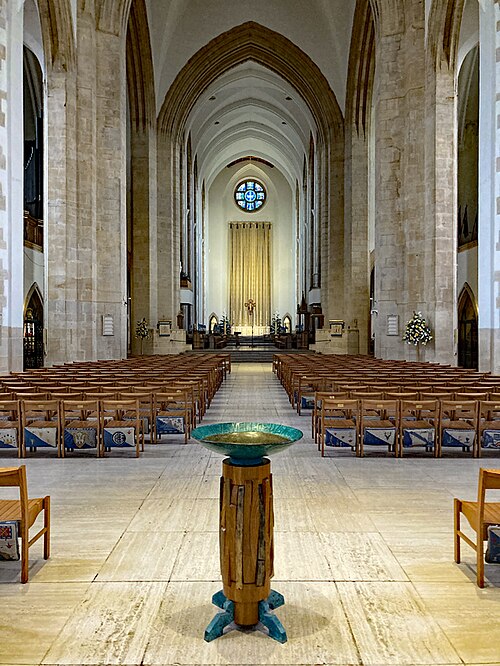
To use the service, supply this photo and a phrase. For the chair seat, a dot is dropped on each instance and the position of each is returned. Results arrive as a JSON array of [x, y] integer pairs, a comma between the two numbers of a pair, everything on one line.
[[457, 425], [485, 425], [42, 424], [11, 509], [384, 424], [82, 424], [491, 514], [120, 423], [8, 424], [416, 425], [340, 423]]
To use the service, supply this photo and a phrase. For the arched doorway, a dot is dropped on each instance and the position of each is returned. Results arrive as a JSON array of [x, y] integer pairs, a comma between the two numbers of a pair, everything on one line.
[[33, 331], [467, 329]]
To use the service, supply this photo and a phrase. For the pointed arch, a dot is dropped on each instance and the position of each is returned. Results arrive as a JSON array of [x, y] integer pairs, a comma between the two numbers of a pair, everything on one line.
[[251, 41], [33, 352], [361, 68], [140, 75], [112, 15], [34, 298], [57, 33], [467, 328], [388, 16], [443, 31]]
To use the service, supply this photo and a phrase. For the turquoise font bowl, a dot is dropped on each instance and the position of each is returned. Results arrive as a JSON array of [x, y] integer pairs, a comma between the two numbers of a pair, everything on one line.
[[246, 443]]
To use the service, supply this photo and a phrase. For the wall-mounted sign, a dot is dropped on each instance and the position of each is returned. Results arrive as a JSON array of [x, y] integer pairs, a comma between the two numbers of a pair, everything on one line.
[[108, 325], [393, 324], [164, 329]]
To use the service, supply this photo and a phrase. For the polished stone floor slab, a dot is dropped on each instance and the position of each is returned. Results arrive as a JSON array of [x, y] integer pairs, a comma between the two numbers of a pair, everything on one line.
[[363, 555]]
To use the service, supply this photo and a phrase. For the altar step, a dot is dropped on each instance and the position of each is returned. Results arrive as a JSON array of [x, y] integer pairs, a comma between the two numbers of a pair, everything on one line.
[[251, 355]]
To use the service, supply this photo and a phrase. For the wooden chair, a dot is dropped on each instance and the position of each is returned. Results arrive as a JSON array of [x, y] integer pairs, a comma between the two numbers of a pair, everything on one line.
[[488, 432], [419, 425], [172, 414], [338, 424], [10, 426], [458, 425], [307, 388], [25, 511], [121, 426], [379, 424], [41, 423], [480, 515], [145, 399], [80, 425], [316, 413]]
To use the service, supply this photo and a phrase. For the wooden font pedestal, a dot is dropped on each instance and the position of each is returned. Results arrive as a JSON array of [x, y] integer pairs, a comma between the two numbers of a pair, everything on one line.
[[246, 551], [246, 537]]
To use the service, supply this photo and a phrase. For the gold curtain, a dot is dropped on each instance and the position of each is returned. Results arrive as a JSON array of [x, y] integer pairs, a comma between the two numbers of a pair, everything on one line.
[[250, 272]]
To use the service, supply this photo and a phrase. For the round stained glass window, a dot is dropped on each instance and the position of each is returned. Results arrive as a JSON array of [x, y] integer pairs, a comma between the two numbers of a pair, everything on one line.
[[250, 195]]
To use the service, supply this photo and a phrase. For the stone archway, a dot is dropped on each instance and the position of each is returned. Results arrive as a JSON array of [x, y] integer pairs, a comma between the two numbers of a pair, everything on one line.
[[467, 329], [272, 50], [33, 348]]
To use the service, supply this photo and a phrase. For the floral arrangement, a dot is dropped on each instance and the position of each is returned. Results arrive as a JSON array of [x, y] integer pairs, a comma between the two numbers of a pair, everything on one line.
[[141, 329], [417, 332], [225, 325], [276, 324]]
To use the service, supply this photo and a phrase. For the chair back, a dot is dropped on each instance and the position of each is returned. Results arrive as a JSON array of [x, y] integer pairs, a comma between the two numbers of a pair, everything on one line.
[[421, 410], [81, 410], [489, 479], [16, 476], [10, 407], [455, 410], [331, 407]]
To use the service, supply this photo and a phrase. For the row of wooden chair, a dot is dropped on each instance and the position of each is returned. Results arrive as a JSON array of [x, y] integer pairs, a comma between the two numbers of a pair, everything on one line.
[[304, 375], [99, 423], [402, 425]]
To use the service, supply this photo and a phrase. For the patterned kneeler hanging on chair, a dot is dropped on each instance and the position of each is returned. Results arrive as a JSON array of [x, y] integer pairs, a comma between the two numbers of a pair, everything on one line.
[[9, 545]]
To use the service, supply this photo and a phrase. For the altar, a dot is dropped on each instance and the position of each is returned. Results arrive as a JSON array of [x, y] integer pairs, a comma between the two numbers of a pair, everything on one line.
[[247, 330]]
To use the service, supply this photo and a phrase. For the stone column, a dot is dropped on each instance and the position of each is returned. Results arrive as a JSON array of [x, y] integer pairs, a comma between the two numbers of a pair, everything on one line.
[[489, 192], [11, 186], [60, 224], [399, 163], [389, 132], [331, 182], [111, 228], [144, 230], [169, 216], [356, 251], [440, 236]]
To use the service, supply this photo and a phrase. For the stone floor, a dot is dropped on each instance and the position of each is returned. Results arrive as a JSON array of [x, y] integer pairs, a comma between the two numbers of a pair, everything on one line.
[[363, 557]]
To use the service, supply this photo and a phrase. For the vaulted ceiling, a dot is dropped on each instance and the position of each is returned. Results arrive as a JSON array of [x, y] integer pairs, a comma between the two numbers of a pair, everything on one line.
[[251, 110]]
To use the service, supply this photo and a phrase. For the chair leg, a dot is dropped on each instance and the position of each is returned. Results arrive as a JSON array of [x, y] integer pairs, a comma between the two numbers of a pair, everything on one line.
[[24, 559], [457, 508], [480, 560], [46, 524]]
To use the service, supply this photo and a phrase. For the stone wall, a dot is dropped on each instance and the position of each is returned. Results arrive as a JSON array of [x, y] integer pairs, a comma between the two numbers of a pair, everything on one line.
[[489, 192], [11, 173]]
